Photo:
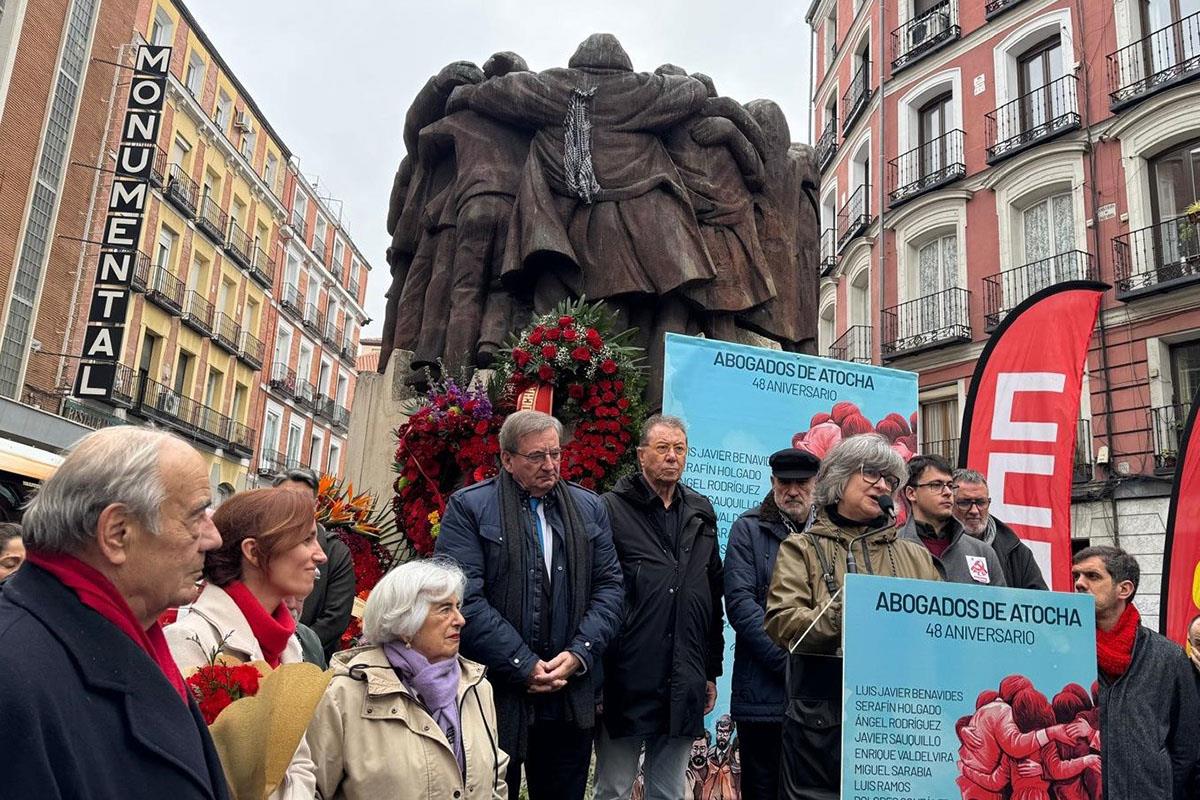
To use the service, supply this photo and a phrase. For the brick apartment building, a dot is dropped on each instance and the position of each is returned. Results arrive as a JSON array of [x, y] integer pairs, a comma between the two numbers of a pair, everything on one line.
[[211, 263], [973, 153]]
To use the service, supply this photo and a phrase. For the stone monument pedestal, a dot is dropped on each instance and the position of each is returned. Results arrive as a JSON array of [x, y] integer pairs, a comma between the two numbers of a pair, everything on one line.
[[378, 410]]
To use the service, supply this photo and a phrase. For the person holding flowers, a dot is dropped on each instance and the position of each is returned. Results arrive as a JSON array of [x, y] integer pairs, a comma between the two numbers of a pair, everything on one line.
[[269, 551], [407, 717]]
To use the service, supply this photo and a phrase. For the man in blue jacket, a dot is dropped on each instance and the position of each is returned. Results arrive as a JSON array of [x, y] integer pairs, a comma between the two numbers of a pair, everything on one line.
[[543, 600], [759, 665]]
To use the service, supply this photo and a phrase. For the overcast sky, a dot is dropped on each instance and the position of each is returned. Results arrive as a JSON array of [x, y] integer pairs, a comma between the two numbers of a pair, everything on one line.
[[336, 78]]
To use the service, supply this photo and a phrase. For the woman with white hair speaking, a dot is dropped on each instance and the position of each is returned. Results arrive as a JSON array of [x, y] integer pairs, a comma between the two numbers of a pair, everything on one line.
[[407, 717]]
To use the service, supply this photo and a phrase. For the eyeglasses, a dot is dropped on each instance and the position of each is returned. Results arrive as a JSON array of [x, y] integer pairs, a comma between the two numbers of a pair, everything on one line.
[[662, 449], [965, 505], [873, 476], [937, 486], [538, 456]]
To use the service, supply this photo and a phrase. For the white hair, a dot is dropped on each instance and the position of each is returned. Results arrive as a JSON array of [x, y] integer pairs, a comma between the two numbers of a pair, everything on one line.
[[399, 603], [520, 424], [106, 467]]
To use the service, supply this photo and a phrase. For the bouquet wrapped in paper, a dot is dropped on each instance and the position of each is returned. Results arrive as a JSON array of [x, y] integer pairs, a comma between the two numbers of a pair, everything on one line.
[[257, 717]]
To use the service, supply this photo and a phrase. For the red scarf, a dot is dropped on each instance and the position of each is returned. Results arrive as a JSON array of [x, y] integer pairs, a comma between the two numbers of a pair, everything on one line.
[[1114, 649], [99, 594], [271, 630]]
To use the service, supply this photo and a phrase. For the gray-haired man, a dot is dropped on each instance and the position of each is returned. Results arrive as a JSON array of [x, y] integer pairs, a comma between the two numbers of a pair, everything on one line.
[[91, 702], [543, 600], [971, 508]]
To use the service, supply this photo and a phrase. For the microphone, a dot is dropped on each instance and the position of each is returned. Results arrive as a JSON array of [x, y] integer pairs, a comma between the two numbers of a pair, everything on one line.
[[886, 505]]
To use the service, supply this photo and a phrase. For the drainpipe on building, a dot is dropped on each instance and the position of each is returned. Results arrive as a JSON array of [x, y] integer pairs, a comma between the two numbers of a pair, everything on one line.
[[879, 193], [80, 266], [1111, 482], [812, 73]]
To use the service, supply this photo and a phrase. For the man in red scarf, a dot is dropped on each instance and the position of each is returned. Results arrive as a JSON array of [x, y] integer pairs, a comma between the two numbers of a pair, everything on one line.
[[1149, 707], [89, 694]]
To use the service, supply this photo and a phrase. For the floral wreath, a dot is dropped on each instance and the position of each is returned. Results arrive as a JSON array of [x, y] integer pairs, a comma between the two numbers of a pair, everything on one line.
[[452, 435]]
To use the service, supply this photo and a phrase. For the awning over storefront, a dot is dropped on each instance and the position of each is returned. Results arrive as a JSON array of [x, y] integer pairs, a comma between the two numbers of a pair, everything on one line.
[[27, 461]]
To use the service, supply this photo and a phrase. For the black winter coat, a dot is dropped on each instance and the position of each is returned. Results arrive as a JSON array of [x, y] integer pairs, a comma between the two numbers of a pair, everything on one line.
[[759, 693], [1150, 723], [1016, 559], [327, 608], [84, 712], [672, 638]]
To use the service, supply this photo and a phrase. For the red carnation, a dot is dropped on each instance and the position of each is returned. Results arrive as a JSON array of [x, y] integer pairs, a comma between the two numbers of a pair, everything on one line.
[[623, 403], [549, 352], [609, 397], [553, 334], [608, 366], [581, 355], [481, 427], [521, 357], [575, 391], [536, 336], [618, 386], [570, 335], [545, 373], [565, 321]]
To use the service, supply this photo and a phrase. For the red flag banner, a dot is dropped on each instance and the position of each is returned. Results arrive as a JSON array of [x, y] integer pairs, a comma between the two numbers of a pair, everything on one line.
[[1019, 424], [1181, 556]]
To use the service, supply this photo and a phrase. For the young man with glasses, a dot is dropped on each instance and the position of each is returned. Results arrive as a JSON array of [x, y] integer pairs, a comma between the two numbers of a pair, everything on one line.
[[959, 558], [660, 674], [971, 507]]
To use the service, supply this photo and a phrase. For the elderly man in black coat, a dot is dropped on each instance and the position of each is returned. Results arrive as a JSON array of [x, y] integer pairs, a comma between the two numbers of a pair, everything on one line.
[[91, 703], [972, 502], [661, 670]]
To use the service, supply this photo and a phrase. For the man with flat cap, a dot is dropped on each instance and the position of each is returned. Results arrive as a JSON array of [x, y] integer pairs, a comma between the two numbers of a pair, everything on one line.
[[759, 692]]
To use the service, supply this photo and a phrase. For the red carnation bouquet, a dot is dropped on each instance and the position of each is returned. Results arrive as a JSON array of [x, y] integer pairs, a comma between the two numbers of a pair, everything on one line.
[[219, 682]]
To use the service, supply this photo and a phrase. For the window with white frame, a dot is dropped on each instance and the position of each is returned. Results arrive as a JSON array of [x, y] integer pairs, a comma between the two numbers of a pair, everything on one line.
[[271, 171], [194, 76], [335, 458], [283, 345], [249, 138], [826, 328], [831, 36], [299, 209], [270, 438], [859, 295], [164, 256], [162, 30], [940, 425], [224, 110], [295, 436]]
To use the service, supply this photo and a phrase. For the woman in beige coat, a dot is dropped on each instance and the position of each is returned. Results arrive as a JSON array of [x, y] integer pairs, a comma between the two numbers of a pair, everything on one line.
[[269, 551], [408, 717]]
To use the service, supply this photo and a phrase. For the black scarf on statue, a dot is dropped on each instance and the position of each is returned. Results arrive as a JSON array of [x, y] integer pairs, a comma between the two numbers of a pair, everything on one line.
[[509, 596]]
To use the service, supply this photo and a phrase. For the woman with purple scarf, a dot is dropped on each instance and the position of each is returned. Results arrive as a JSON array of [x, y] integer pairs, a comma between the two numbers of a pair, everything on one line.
[[407, 717]]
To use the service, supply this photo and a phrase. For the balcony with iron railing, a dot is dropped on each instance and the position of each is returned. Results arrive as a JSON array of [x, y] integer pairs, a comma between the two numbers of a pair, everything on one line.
[[318, 248], [262, 268], [238, 244], [282, 380], [353, 287], [1157, 259], [341, 417], [158, 170], [854, 101], [271, 463], [226, 332], [946, 448], [828, 251], [193, 419], [212, 220], [1167, 57], [348, 350], [931, 165], [165, 290], [125, 386], [1166, 430], [198, 313], [936, 320], [140, 271], [854, 217], [250, 350], [299, 225], [291, 301], [323, 405], [827, 144], [330, 333], [1040, 115], [312, 318], [240, 437], [181, 191], [304, 393], [925, 34], [853, 345], [1004, 291], [994, 8]]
